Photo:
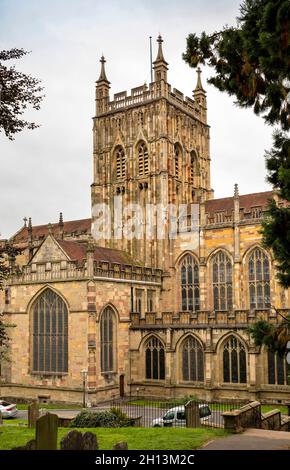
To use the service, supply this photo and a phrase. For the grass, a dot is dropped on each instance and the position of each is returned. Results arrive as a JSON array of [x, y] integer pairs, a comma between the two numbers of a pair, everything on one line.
[[283, 409], [137, 438], [50, 406]]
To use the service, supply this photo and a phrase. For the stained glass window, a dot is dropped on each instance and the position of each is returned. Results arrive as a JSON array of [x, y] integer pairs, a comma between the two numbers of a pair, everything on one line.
[[234, 361], [50, 334], [192, 360], [259, 279], [222, 281], [278, 369], [108, 340], [189, 284], [154, 359]]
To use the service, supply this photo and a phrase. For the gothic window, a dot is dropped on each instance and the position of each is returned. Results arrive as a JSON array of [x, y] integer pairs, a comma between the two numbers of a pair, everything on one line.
[[194, 171], [278, 369], [154, 359], [259, 279], [108, 340], [143, 159], [150, 300], [189, 284], [234, 361], [139, 301], [120, 161], [50, 334], [222, 279], [177, 158], [192, 360]]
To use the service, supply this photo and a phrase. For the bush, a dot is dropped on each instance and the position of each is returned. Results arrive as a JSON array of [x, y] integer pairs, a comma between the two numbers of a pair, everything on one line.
[[114, 418]]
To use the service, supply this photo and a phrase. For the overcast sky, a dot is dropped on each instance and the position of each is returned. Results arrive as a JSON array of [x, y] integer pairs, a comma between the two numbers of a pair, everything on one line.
[[49, 170]]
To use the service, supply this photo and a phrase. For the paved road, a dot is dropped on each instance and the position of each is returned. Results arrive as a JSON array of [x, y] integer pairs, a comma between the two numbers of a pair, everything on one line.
[[252, 439]]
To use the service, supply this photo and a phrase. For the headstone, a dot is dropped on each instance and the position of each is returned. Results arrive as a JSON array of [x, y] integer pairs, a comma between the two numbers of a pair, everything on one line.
[[192, 415], [33, 414], [46, 432], [1, 419], [75, 440], [30, 445], [122, 445]]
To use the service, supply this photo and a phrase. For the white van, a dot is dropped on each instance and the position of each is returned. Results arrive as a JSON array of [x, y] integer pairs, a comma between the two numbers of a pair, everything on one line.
[[175, 417]]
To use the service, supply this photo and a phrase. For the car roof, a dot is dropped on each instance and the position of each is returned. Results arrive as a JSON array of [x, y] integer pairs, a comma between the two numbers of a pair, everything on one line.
[[182, 407]]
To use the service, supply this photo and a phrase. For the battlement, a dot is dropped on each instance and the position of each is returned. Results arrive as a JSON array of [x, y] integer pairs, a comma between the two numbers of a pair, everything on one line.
[[236, 318], [144, 94]]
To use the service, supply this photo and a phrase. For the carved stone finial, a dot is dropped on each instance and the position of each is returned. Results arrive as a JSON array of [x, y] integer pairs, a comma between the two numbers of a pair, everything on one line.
[[103, 76], [236, 190], [199, 86], [60, 222], [25, 221]]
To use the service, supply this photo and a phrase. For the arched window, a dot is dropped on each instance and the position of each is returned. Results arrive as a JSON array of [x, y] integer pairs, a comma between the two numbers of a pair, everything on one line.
[[192, 360], [259, 279], [108, 340], [189, 284], [194, 167], [278, 369], [143, 160], [50, 334], [222, 278], [120, 160], [154, 359], [234, 361], [177, 158]]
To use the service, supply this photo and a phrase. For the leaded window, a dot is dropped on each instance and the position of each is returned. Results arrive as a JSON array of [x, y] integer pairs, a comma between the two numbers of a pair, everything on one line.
[[154, 359], [143, 159], [278, 369], [120, 163], [222, 278], [259, 279], [50, 334], [189, 284], [108, 340], [192, 360], [234, 361]]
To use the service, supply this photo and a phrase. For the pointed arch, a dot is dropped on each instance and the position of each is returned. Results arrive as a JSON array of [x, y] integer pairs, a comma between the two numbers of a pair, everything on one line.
[[119, 162], [154, 358], [194, 167], [234, 359], [49, 333], [258, 275], [177, 160], [142, 158], [221, 265], [189, 281], [192, 358], [108, 339]]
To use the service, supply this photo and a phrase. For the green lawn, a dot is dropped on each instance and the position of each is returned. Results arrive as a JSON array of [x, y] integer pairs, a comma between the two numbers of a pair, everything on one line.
[[137, 438], [283, 409], [50, 406]]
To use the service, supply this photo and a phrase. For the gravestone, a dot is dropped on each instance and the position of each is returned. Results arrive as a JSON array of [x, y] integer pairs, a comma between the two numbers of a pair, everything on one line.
[[122, 445], [192, 415], [1, 419], [46, 432], [75, 440], [30, 445], [33, 414]]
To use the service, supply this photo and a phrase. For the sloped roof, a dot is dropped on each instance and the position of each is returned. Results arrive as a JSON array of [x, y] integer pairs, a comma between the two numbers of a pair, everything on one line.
[[41, 231], [247, 202], [76, 251]]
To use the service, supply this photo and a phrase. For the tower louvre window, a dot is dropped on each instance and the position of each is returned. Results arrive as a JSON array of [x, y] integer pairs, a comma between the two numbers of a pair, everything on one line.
[[143, 159], [120, 163], [177, 156], [194, 169]]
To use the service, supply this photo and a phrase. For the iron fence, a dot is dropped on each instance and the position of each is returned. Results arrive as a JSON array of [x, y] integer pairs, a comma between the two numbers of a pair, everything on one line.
[[172, 413]]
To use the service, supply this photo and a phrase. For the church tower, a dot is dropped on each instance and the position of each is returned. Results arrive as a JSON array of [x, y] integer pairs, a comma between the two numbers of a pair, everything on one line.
[[150, 148]]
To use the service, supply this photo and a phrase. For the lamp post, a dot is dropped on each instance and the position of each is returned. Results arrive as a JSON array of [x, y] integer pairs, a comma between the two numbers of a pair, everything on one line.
[[84, 373]]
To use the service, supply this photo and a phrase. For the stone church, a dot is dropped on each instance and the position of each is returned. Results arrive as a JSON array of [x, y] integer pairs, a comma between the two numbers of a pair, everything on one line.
[[154, 315]]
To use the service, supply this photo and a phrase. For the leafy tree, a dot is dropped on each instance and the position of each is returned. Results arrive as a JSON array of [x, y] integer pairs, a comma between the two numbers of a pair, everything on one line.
[[17, 92], [251, 62], [7, 253]]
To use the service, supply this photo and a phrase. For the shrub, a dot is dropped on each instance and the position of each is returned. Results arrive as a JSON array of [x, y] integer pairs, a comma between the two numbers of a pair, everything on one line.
[[115, 418]]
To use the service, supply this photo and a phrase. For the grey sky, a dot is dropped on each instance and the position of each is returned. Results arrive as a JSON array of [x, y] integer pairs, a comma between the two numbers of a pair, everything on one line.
[[49, 170]]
